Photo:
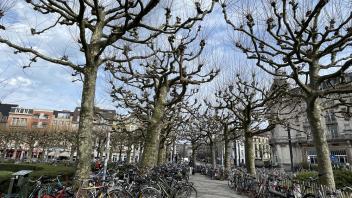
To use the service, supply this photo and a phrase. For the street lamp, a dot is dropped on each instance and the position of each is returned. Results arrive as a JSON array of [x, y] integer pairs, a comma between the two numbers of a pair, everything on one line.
[[290, 145]]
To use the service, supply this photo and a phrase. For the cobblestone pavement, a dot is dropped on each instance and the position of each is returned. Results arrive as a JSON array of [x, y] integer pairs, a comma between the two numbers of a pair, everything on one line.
[[208, 188]]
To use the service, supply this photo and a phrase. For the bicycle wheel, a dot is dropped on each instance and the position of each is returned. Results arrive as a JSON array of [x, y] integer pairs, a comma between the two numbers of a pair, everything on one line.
[[186, 191], [230, 183], [309, 195], [118, 193], [149, 192]]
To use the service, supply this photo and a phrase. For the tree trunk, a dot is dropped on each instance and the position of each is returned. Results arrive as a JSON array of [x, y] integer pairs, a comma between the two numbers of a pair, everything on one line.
[[161, 154], [85, 129], [227, 162], [72, 152], [129, 150], [30, 152], [194, 150], [44, 152], [140, 152], [321, 145], [167, 153], [249, 153], [173, 151], [133, 158], [120, 152], [235, 152], [99, 148], [14, 154], [150, 154], [213, 156]]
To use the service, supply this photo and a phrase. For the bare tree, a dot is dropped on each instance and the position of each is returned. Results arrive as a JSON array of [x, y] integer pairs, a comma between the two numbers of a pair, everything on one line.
[[251, 103], [308, 41], [210, 128], [5, 7], [161, 83], [103, 29]]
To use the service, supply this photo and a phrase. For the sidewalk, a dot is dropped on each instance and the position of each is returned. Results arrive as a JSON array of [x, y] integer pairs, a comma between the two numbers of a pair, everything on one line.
[[208, 188]]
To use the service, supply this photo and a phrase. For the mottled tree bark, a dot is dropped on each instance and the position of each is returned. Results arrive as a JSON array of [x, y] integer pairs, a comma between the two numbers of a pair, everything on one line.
[[194, 154], [150, 153], [128, 153], [167, 154], [85, 130], [249, 154], [321, 145], [161, 152], [213, 155], [161, 155], [227, 142]]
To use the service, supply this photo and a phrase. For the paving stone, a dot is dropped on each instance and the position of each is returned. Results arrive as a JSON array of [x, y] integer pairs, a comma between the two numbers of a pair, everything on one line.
[[208, 188]]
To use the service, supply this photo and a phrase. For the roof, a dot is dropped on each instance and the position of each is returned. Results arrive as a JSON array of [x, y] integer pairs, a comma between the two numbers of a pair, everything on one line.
[[6, 108], [106, 114], [30, 111]]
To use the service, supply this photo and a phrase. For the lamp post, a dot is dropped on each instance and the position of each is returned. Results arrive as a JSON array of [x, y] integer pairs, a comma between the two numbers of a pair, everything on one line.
[[107, 155], [290, 145]]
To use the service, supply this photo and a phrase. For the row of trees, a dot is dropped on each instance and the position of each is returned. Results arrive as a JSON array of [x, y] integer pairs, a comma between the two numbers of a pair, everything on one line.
[[105, 32], [155, 63], [16, 139]]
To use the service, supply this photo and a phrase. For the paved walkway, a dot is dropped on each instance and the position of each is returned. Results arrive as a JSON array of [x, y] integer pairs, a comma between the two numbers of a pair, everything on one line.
[[208, 188]]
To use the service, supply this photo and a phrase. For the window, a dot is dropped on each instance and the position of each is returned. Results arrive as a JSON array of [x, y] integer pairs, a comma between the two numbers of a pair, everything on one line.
[[20, 110], [114, 158], [330, 117], [19, 122], [63, 115], [313, 159], [332, 129], [14, 121], [306, 129], [297, 119]]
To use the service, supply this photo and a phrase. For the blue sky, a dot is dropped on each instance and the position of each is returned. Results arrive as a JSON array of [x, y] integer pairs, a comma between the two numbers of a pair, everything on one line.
[[49, 86]]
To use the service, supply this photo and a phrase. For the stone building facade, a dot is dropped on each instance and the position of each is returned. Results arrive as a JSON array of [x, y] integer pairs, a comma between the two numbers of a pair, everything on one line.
[[336, 121]]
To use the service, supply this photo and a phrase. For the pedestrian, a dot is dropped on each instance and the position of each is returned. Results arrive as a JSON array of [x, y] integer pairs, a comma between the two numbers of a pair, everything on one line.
[[190, 164], [98, 165]]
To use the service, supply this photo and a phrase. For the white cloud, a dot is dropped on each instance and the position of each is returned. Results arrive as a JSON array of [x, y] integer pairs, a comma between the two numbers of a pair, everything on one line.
[[20, 81]]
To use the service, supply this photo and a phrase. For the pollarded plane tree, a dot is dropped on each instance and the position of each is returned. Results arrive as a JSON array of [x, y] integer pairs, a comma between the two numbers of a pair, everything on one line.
[[211, 129], [175, 120], [5, 139], [191, 129], [161, 82], [251, 102], [229, 133], [129, 131], [101, 28], [171, 122], [311, 42]]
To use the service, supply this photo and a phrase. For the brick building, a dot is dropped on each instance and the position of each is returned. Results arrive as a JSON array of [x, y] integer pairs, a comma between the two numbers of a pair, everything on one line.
[[42, 119], [20, 117]]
